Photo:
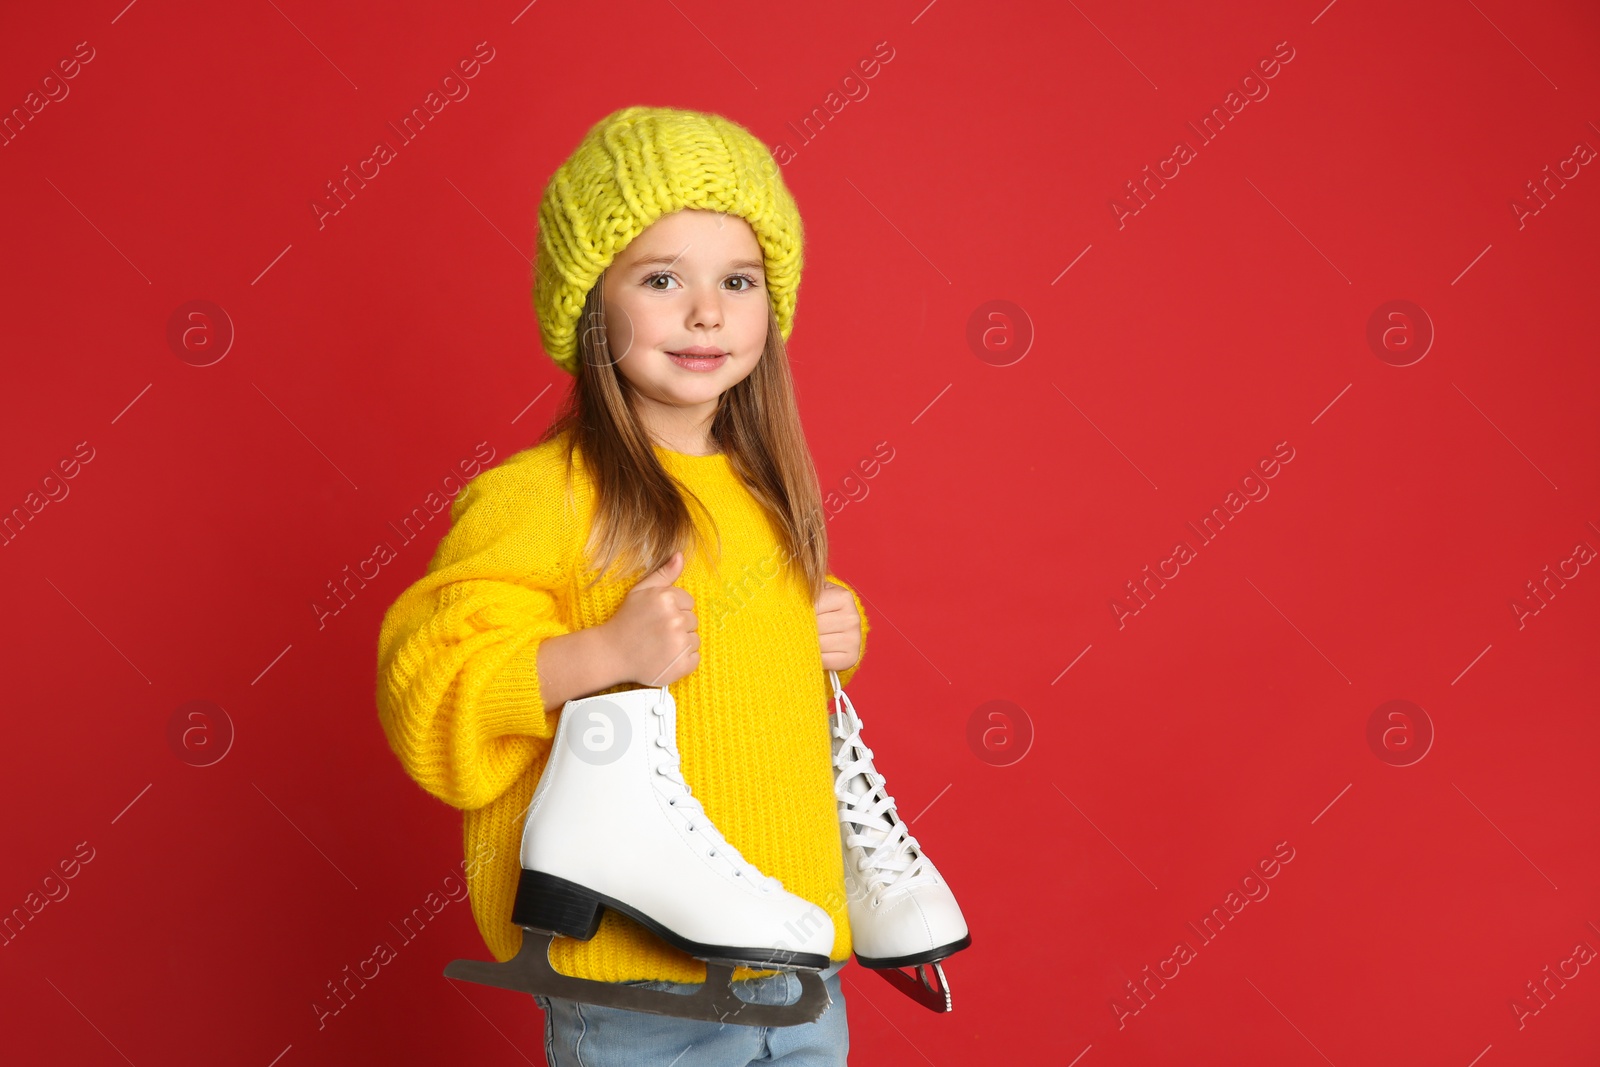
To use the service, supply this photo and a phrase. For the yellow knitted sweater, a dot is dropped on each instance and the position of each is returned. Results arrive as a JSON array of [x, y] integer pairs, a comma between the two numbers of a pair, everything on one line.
[[458, 693]]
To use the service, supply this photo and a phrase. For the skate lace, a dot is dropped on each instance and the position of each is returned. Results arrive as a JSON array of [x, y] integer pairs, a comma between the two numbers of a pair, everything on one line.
[[891, 860], [681, 797]]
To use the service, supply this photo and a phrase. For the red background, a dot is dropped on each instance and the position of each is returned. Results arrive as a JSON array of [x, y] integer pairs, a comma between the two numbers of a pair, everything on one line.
[[1033, 475]]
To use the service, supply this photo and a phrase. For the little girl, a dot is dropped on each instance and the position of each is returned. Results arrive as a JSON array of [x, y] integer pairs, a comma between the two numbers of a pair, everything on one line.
[[667, 529]]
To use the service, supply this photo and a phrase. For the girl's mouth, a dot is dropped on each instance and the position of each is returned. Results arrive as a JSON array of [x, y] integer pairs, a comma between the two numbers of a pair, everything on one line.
[[698, 363]]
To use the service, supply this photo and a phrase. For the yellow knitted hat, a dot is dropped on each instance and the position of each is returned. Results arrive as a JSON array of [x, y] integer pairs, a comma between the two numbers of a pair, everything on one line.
[[634, 166]]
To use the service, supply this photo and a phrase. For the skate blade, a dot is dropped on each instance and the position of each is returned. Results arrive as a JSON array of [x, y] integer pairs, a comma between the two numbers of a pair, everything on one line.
[[529, 971], [933, 995]]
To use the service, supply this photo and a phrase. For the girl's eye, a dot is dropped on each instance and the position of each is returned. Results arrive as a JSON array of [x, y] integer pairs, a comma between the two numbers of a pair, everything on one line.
[[651, 279]]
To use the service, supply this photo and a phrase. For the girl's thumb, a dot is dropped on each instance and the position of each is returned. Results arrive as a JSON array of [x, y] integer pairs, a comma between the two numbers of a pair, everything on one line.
[[668, 572]]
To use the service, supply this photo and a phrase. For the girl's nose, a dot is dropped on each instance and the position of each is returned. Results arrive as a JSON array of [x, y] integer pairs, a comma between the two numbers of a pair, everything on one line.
[[706, 310]]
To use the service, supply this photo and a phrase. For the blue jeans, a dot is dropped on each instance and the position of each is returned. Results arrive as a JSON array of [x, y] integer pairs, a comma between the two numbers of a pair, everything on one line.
[[593, 1035]]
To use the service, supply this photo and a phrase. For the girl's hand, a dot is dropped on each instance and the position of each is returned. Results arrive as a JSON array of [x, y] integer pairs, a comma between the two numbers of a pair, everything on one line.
[[654, 630], [838, 627]]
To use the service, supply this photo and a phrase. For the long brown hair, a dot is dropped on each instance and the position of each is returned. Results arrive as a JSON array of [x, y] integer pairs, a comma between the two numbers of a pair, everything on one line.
[[640, 514]]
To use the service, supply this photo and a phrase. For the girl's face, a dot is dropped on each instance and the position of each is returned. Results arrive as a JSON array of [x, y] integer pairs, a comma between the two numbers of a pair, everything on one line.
[[692, 279]]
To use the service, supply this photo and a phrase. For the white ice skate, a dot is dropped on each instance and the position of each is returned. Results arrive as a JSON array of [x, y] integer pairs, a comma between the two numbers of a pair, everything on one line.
[[613, 824], [902, 913]]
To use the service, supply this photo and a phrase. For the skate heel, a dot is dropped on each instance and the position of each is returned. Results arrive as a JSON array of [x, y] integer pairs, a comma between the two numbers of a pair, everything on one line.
[[554, 905]]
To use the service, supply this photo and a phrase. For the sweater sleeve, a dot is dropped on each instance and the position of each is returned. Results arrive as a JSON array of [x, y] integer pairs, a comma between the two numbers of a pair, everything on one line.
[[458, 683], [850, 672]]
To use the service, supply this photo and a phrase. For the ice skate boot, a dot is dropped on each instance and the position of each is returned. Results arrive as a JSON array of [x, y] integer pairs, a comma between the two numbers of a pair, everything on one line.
[[902, 913], [613, 824]]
